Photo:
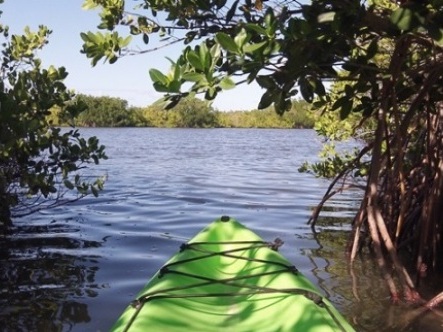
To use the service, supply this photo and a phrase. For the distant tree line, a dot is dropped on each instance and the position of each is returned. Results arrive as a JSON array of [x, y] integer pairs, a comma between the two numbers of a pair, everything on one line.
[[188, 113]]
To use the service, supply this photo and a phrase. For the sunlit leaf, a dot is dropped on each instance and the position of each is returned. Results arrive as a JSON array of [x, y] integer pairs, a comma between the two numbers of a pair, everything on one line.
[[89, 4], [251, 48], [193, 77], [195, 60], [227, 42], [241, 38], [326, 17], [410, 17], [403, 18], [157, 76], [256, 28], [205, 56], [227, 83]]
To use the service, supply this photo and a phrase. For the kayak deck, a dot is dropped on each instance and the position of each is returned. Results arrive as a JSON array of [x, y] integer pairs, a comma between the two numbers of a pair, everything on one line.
[[228, 277]]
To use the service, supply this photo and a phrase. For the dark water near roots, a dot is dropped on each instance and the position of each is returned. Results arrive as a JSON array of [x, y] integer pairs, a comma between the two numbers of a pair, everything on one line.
[[75, 268]]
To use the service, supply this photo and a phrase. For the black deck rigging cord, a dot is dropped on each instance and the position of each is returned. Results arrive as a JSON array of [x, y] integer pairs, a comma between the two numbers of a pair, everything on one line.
[[204, 281]]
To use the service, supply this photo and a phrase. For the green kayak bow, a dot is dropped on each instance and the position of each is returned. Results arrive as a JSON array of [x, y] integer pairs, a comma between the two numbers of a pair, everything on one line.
[[227, 278]]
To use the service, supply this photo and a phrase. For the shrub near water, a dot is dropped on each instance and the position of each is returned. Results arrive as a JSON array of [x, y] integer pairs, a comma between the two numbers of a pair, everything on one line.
[[38, 163], [188, 113]]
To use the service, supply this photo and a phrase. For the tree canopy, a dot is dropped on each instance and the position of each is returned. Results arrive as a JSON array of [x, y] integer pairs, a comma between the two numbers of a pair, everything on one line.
[[387, 56]]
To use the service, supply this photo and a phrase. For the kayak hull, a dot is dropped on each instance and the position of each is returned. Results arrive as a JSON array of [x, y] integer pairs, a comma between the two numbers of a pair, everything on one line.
[[227, 277]]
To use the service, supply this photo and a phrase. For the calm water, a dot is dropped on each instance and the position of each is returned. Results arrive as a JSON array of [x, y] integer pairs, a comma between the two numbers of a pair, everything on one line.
[[77, 267]]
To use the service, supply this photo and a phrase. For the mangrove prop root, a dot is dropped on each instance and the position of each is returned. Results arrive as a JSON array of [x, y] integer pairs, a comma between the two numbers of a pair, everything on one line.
[[435, 301]]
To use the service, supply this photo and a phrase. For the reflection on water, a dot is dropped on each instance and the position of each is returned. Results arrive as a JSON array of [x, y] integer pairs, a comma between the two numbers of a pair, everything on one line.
[[45, 272], [77, 267], [361, 291]]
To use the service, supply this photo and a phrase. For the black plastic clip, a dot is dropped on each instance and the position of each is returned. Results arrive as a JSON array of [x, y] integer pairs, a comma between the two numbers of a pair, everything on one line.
[[163, 271], [184, 246]]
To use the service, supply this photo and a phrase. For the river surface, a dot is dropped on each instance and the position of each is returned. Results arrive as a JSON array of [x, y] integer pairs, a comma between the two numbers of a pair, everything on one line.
[[75, 268]]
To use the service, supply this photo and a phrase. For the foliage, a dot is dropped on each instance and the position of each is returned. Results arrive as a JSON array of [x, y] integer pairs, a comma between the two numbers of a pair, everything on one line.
[[298, 117], [103, 112], [188, 113], [38, 163], [137, 118], [195, 113], [335, 130]]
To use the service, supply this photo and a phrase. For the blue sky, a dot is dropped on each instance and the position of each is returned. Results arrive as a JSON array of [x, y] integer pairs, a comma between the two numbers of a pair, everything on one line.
[[128, 78]]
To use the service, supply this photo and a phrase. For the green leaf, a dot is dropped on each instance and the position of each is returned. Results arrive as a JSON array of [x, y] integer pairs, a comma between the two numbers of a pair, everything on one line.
[[267, 99], [241, 38], [177, 72], [205, 56], [68, 184], [159, 87], [282, 105], [174, 86], [346, 108], [84, 36], [265, 81], [112, 59], [94, 191], [193, 77], [307, 90], [227, 83], [317, 86], [338, 103], [254, 27], [195, 60], [326, 17], [251, 48], [157, 76], [215, 52], [227, 42], [210, 94], [89, 4], [402, 18]]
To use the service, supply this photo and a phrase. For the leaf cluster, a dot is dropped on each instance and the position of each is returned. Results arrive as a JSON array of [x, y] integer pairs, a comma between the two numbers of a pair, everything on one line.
[[37, 160]]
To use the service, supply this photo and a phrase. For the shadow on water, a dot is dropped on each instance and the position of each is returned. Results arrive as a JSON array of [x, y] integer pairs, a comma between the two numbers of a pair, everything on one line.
[[45, 276], [360, 293]]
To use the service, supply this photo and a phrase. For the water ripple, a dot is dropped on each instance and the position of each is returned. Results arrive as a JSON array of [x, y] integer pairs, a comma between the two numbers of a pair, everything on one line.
[[80, 265]]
